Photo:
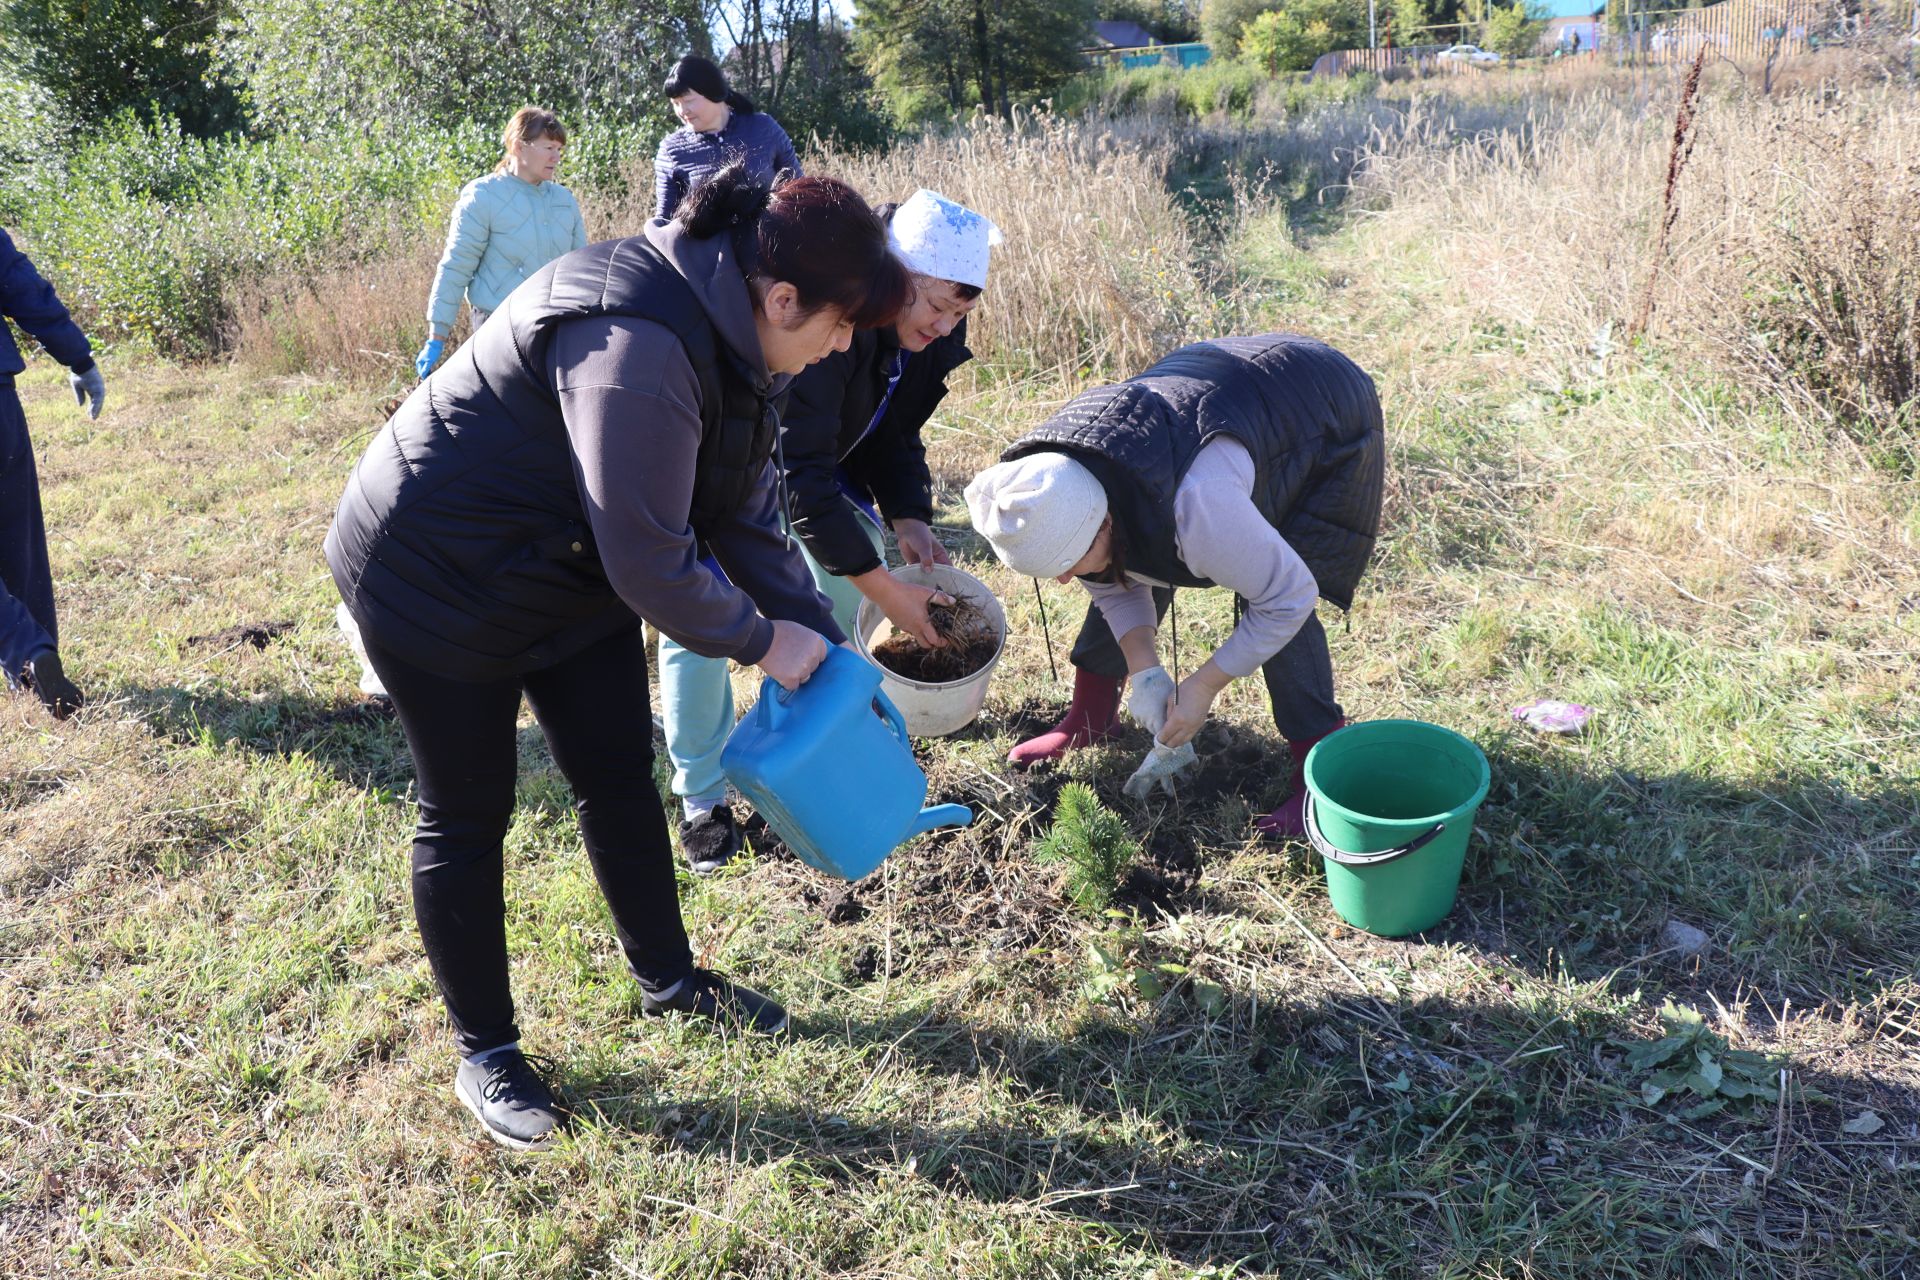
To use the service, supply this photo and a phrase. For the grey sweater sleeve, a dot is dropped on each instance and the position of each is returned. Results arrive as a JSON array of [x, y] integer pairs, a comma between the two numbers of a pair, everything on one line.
[[1221, 535], [632, 408]]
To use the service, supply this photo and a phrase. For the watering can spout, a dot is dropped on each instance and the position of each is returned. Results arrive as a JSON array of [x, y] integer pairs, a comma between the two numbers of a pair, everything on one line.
[[940, 815]]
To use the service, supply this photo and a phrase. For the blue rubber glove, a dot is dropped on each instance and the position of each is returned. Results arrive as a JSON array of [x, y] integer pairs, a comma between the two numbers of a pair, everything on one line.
[[429, 356], [89, 386]]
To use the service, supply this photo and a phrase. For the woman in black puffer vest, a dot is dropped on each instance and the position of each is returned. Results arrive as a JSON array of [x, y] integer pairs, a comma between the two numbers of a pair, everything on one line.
[[854, 458], [1252, 463], [531, 502]]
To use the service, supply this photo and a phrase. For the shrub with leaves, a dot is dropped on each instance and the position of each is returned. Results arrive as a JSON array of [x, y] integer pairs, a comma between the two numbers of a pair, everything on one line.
[[1092, 841], [1690, 1059]]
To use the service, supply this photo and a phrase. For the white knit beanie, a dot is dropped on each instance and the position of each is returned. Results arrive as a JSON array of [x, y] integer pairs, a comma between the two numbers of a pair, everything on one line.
[[938, 238], [1040, 513]]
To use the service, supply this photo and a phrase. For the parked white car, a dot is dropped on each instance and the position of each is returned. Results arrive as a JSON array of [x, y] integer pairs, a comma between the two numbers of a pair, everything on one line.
[[1469, 53]]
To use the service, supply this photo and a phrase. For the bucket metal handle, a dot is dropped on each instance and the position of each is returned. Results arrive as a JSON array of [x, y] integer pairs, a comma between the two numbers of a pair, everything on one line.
[[1325, 848]]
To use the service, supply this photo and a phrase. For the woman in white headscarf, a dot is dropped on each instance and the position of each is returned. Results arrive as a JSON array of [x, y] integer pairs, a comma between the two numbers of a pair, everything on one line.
[[1252, 463], [854, 463]]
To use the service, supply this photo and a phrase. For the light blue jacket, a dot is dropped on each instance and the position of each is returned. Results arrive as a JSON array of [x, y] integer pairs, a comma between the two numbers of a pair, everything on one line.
[[504, 229]]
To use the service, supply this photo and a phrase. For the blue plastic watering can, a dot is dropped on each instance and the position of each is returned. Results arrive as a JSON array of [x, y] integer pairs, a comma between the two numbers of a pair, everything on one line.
[[835, 781]]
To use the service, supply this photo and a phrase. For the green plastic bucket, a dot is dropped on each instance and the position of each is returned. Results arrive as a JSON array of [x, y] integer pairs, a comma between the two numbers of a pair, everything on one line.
[[1390, 805]]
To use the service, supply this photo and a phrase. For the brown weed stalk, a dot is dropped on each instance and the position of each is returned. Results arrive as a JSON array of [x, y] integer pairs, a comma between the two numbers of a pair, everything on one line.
[[1678, 154]]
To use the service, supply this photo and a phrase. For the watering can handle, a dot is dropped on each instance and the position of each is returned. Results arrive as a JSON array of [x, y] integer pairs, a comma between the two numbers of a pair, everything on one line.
[[1325, 849], [940, 815], [775, 695], [895, 721]]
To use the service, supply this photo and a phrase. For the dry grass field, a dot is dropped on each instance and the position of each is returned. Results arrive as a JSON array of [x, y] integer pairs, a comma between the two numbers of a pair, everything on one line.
[[221, 1054]]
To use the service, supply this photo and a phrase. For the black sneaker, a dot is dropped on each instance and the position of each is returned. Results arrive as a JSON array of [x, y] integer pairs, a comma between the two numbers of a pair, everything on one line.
[[711, 840], [706, 994], [510, 1100], [48, 679]]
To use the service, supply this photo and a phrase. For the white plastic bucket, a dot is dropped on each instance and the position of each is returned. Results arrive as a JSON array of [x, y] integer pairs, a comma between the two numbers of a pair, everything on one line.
[[933, 710]]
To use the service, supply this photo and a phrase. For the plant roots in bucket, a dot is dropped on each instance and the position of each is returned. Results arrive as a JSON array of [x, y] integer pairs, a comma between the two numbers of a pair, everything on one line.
[[971, 642]]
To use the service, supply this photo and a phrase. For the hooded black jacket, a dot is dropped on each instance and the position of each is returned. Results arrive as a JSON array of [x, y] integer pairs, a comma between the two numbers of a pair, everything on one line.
[[828, 408], [463, 543]]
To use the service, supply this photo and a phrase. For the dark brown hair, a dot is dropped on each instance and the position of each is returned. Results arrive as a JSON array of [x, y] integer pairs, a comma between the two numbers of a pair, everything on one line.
[[816, 234], [1115, 573]]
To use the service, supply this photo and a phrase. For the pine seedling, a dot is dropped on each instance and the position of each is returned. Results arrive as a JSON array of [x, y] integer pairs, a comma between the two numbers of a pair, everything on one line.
[[1092, 841]]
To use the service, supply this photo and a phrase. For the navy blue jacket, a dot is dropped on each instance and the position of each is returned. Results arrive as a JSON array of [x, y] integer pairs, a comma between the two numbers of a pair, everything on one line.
[[30, 302], [686, 158]]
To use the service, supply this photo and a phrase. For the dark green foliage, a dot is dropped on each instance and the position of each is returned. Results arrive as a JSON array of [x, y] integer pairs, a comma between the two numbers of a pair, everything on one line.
[[93, 58], [1290, 36], [815, 87], [1222, 21], [933, 57], [353, 64], [1092, 841]]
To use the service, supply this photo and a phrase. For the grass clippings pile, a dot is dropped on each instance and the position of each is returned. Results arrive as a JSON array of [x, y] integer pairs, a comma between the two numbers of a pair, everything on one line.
[[971, 641]]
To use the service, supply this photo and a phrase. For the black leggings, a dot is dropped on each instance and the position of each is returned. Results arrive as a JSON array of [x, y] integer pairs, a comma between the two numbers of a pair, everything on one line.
[[593, 709], [1299, 677]]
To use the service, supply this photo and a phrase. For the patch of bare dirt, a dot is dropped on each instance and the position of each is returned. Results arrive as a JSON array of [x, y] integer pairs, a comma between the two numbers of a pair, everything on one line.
[[257, 635]]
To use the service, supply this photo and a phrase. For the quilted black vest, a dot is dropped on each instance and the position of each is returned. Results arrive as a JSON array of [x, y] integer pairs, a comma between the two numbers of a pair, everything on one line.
[[1307, 414], [461, 543]]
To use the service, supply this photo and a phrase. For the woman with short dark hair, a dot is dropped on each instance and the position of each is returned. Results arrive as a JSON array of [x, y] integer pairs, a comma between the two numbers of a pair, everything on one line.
[[854, 460], [720, 126], [536, 498]]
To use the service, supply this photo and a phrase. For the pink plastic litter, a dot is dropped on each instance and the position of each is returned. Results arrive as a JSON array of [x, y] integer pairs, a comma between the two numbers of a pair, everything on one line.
[[1552, 716]]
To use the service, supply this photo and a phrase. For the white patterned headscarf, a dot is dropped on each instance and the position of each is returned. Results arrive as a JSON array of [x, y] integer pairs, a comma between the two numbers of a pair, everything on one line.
[[938, 238]]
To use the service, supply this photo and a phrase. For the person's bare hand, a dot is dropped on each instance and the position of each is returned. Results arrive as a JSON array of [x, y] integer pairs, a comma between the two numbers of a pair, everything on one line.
[[795, 653], [918, 545], [905, 605]]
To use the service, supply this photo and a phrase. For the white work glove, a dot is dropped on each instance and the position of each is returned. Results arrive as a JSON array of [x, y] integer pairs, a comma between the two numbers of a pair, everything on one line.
[[1160, 770], [1147, 695], [89, 386]]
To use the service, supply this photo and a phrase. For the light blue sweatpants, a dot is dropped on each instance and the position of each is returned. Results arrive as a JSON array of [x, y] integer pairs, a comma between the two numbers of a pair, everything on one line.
[[696, 697]]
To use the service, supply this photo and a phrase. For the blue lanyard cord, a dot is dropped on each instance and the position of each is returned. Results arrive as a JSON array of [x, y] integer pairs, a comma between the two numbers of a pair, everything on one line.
[[893, 381]]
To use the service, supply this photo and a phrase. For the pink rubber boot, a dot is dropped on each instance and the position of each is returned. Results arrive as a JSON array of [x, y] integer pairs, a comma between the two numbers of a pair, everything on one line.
[[1289, 821], [1090, 718]]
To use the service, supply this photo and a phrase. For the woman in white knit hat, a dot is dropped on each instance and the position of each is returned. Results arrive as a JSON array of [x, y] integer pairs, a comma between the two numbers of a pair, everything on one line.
[[854, 463], [1252, 463]]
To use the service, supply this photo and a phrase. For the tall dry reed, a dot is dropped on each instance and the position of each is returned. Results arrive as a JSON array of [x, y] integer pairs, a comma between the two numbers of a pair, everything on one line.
[[1792, 263], [1100, 270], [1099, 274], [364, 316]]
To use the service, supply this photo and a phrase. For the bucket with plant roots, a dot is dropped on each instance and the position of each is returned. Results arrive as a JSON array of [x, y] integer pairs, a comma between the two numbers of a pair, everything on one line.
[[938, 690]]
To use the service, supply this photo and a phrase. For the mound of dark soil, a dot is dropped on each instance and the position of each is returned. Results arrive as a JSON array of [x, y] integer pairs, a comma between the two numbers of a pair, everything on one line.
[[256, 634], [970, 636]]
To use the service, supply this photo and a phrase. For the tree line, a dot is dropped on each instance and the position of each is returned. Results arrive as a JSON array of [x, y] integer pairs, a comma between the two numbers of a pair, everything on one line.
[[266, 66]]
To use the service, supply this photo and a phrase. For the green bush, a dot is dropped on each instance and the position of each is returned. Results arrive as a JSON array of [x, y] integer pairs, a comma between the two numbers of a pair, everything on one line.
[[145, 228], [1514, 31], [1290, 37]]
